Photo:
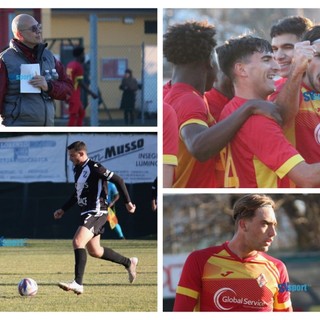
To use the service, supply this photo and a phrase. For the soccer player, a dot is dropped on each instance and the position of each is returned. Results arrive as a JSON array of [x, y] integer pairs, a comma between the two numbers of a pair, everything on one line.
[[292, 55], [285, 34], [259, 156], [304, 132], [112, 197], [75, 73], [89, 176], [170, 144], [189, 47], [237, 275]]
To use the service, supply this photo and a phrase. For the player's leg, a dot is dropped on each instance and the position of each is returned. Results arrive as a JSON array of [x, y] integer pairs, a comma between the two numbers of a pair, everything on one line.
[[81, 115], [96, 250], [73, 113], [80, 239]]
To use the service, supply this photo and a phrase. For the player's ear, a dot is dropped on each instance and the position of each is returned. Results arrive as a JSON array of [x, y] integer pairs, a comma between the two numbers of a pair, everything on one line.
[[239, 69], [242, 224]]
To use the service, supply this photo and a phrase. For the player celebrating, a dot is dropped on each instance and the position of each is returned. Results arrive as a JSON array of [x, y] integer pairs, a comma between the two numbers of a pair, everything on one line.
[[89, 177], [259, 158], [238, 275], [190, 49]]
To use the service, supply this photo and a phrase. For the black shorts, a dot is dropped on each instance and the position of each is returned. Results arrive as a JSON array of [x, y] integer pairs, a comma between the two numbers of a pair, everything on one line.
[[94, 222]]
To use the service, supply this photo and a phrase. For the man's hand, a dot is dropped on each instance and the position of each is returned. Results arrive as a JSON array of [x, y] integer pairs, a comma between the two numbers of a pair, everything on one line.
[[303, 53], [131, 207], [58, 214], [39, 82], [267, 109]]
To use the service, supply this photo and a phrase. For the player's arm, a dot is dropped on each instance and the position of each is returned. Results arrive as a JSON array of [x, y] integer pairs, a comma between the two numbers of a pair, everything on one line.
[[203, 143], [288, 97], [108, 175], [282, 299], [184, 303], [305, 175], [68, 204], [121, 186], [87, 89], [189, 286]]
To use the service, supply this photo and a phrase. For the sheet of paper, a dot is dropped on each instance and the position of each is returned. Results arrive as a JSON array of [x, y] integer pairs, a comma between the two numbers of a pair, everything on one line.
[[28, 71]]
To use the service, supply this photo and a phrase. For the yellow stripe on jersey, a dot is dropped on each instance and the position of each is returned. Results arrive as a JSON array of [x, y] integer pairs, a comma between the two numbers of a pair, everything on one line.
[[187, 292], [170, 159], [185, 161], [192, 121], [281, 306], [288, 165]]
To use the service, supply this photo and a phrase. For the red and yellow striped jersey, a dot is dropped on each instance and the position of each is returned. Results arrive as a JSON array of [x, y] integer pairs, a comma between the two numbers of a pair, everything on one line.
[[259, 156], [215, 279], [170, 135], [191, 108], [305, 133]]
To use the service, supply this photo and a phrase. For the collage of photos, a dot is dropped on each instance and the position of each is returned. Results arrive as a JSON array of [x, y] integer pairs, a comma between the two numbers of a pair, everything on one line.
[[150, 179]]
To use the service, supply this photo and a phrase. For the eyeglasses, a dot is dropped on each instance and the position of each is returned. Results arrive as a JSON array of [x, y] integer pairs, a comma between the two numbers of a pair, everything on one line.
[[35, 28]]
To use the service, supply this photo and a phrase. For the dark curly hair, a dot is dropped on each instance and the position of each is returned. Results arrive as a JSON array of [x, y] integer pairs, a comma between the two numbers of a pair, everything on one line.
[[313, 34], [189, 42], [296, 25], [239, 49]]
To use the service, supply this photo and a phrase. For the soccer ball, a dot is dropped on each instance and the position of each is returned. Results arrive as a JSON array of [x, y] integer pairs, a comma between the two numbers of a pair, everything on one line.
[[27, 287]]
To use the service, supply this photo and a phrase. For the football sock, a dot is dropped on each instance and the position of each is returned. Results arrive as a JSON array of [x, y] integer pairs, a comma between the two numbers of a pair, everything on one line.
[[110, 255], [81, 260]]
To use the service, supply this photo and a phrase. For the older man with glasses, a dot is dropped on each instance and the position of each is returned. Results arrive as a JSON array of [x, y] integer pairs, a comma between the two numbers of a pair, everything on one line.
[[21, 107]]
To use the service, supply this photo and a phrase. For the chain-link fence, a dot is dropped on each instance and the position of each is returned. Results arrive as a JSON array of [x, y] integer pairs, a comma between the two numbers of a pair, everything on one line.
[[111, 65]]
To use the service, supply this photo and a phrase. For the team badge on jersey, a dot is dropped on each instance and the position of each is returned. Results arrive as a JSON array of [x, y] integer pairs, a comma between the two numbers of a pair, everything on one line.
[[317, 133], [262, 281]]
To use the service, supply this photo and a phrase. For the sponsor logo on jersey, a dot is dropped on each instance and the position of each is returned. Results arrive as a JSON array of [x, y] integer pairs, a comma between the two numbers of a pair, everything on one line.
[[311, 95], [225, 274], [226, 299]]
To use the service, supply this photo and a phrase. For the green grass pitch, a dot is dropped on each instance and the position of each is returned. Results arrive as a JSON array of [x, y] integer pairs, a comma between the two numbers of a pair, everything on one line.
[[106, 285]]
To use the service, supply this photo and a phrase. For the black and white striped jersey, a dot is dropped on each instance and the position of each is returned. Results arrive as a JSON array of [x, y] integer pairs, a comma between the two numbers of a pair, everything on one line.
[[89, 192], [89, 179]]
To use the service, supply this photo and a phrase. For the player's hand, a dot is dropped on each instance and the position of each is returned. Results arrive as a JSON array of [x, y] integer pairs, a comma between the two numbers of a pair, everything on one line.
[[303, 54], [39, 82], [131, 207], [58, 214], [267, 109]]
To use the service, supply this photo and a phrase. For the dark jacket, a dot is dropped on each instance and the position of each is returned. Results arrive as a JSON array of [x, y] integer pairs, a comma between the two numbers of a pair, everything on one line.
[[30, 109], [129, 87]]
